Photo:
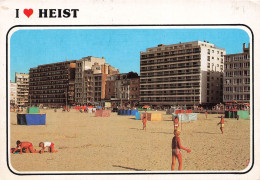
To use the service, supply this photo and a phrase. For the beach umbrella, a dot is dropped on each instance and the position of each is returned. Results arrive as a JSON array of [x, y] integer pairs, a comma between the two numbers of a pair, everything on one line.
[[146, 106]]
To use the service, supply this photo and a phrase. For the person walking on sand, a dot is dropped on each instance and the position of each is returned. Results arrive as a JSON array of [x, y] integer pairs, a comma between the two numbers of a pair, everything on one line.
[[144, 120], [27, 146], [206, 114], [221, 122], [176, 149]]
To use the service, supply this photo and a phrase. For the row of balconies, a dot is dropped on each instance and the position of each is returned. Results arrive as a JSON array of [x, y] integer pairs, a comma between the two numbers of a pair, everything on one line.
[[168, 86], [235, 92], [196, 100], [48, 73], [170, 61], [46, 83], [171, 67], [52, 78], [162, 94], [171, 80], [48, 92], [145, 55], [50, 96], [173, 87], [172, 71], [48, 68]]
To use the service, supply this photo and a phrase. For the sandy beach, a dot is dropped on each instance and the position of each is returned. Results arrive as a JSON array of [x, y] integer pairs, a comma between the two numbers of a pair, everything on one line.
[[118, 143]]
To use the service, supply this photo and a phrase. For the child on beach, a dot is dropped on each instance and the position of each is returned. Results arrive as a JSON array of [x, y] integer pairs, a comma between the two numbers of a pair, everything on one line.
[[48, 145], [176, 149], [27, 146], [221, 122], [176, 122], [144, 121]]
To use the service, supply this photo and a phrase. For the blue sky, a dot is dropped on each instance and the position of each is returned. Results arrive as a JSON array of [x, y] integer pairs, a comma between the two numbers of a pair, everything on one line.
[[120, 47]]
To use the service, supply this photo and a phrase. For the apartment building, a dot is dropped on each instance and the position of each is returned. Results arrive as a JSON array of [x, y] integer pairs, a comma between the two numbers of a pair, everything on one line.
[[188, 73], [90, 80], [13, 94], [237, 77], [52, 84], [134, 91], [22, 81], [122, 90]]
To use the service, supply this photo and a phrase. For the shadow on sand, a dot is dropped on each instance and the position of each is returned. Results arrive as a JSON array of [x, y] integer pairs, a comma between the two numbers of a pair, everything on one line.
[[206, 132], [163, 132], [129, 168], [136, 128]]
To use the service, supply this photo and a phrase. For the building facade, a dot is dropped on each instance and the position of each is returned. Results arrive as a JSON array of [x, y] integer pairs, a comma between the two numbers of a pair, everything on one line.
[[237, 77], [13, 94], [134, 91], [90, 80], [52, 84], [182, 74], [122, 90], [22, 81]]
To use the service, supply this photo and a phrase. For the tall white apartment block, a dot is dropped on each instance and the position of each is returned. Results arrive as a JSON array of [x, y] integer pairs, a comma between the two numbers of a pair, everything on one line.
[[22, 81], [13, 94], [188, 73]]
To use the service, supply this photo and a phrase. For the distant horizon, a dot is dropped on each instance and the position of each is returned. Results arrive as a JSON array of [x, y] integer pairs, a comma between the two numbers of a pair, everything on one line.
[[120, 47]]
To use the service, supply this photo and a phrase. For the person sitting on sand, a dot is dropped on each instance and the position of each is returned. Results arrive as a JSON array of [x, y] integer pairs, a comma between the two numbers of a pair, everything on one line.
[[48, 145], [27, 146], [221, 122], [176, 122], [176, 149]]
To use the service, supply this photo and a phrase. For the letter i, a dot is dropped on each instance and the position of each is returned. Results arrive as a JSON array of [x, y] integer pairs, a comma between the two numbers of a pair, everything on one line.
[[17, 13]]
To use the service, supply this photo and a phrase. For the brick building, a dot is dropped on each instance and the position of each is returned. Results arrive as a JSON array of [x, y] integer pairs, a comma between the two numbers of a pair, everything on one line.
[[52, 84], [122, 90]]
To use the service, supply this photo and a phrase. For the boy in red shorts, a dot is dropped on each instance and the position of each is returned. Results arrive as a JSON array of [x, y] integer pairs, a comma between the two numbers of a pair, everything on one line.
[[27, 146]]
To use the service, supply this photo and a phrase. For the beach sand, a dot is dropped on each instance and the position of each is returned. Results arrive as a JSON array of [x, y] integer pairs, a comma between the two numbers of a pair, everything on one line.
[[118, 143]]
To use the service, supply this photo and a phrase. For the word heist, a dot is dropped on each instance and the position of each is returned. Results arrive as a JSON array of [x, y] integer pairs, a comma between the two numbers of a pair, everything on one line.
[[51, 13]]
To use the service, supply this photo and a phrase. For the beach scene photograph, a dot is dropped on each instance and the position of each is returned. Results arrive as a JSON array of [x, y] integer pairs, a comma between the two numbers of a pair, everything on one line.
[[130, 100]]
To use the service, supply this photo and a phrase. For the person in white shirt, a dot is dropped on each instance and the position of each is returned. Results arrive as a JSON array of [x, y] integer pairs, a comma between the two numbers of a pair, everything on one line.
[[48, 145]]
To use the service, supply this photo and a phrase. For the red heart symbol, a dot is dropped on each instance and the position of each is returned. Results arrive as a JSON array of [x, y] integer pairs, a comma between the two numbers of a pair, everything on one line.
[[28, 12]]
